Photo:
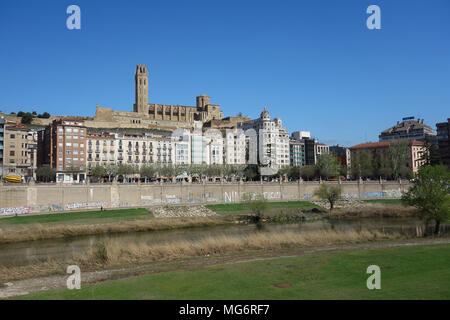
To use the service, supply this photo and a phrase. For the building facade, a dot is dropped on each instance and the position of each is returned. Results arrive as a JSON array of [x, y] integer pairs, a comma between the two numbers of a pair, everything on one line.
[[2, 141], [413, 161], [443, 142], [310, 149], [296, 152], [344, 156], [272, 142], [408, 129], [62, 146], [234, 147], [19, 151]]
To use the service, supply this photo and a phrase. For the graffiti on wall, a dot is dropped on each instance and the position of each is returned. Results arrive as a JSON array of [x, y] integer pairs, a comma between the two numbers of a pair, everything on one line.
[[47, 208], [80, 205], [15, 210], [307, 196], [230, 197], [377, 194]]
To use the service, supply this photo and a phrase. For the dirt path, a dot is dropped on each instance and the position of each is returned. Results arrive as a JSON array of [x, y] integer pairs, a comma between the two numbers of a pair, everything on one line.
[[22, 287]]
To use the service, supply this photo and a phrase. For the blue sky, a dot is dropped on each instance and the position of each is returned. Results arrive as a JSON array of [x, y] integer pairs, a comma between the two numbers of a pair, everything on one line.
[[313, 63]]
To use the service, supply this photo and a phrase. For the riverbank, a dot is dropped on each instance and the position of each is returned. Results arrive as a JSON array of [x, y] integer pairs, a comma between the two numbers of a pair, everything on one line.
[[416, 269], [113, 253], [73, 224]]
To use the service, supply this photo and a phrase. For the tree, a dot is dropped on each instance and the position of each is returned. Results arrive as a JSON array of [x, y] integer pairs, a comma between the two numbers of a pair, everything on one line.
[[111, 170], [362, 164], [45, 173], [98, 172], [431, 154], [399, 155], [257, 204], [330, 193], [327, 165], [430, 194], [251, 172], [308, 171], [27, 118], [147, 172]]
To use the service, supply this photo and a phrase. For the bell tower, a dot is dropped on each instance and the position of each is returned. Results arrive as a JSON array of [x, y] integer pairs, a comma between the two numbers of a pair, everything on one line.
[[141, 89]]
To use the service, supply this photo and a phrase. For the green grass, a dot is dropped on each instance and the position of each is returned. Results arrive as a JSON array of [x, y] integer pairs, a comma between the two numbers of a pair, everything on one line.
[[113, 215], [385, 201], [419, 272], [271, 207]]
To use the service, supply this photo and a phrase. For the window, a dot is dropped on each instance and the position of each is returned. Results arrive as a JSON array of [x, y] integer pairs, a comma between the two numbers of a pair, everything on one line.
[[12, 136], [68, 144], [11, 153]]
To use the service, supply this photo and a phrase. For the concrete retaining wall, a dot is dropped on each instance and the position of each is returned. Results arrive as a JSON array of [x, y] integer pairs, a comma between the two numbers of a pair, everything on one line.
[[22, 199]]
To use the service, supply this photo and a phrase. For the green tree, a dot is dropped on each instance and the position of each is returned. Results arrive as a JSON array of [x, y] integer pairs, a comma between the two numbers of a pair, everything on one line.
[[111, 171], [399, 155], [362, 164], [27, 118], [327, 166], [430, 194], [308, 172], [147, 172], [251, 172], [45, 173], [330, 193], [257, 204], [98, 172]]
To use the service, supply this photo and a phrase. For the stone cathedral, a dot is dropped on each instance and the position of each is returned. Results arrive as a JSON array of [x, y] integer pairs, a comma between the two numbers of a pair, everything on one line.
[[155, 115]]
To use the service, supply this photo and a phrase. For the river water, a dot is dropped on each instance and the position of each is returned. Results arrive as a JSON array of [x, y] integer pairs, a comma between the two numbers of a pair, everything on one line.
[[23, 253]]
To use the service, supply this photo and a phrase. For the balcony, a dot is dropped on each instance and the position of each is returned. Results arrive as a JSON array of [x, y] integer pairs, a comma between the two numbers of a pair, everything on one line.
[[97, 150]]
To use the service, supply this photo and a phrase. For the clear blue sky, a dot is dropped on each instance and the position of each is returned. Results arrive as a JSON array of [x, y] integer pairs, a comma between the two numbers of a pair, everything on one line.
[[313, 63]]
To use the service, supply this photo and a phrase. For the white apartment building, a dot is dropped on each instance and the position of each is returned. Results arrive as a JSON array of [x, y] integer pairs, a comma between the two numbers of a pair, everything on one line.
[[181, 141], [101, 149], [272, 140], [234, 147], [132, 149]]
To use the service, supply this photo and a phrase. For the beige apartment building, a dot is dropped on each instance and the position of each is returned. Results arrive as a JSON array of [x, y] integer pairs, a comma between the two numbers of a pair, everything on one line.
[[19, 151], [416, 150]]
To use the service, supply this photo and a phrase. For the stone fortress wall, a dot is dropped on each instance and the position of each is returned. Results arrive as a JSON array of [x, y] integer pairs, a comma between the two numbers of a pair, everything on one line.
[[42, 198]]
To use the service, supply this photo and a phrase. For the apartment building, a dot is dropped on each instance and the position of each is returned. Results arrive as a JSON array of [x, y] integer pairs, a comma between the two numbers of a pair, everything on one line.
[[2, 140], [101, 150], [415, 150], [297, 152], [62, 146], [272, 141], [19, 151], [234, 147], [443, 142]]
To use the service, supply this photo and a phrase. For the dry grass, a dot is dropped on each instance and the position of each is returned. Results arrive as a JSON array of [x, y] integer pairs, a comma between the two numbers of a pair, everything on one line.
[[116, 253], [375, 210], [39, 232]]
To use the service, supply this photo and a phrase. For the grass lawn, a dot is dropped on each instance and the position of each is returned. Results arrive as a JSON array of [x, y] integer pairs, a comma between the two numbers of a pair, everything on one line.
[[233, 208], [84, 216], [409, 272]]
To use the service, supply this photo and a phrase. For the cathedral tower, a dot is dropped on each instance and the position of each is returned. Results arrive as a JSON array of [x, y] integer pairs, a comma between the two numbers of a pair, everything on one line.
[[141, 89]]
